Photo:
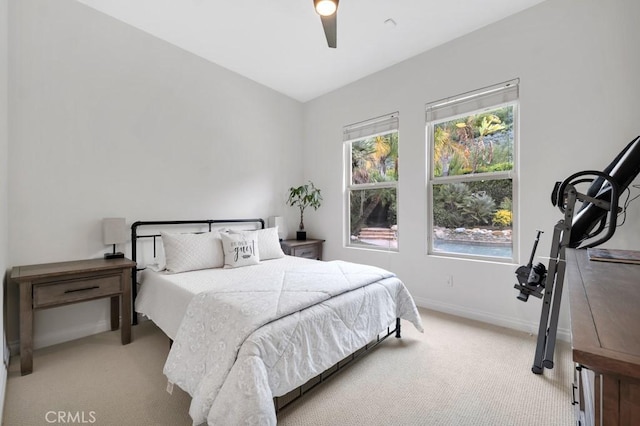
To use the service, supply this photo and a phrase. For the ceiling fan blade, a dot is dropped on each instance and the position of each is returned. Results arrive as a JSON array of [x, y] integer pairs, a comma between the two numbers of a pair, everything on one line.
[[329, 23]]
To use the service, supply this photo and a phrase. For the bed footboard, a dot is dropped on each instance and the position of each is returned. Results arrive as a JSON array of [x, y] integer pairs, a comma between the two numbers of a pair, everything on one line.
[[281, 402]]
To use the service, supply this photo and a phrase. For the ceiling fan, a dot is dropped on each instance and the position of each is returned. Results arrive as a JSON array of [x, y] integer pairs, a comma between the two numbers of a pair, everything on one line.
[[328, 11]]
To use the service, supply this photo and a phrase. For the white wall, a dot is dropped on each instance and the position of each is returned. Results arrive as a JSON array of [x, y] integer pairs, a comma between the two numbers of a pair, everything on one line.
[[109, 121], [4, 176], [578, 66]]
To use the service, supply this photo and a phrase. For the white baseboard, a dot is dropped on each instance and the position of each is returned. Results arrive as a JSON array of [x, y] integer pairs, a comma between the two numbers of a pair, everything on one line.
[[508, 322], [63, 335]]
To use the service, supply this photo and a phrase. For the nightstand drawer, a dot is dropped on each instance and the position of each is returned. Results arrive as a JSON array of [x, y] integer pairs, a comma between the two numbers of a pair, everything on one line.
[[310, 251], [61, 292], [47, 285]]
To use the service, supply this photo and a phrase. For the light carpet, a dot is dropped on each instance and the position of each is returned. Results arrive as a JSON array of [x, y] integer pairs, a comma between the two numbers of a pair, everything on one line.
[[459, 372]]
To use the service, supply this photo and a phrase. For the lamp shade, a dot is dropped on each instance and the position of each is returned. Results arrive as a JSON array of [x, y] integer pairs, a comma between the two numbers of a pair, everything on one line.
[[278, 221], [114, 230]]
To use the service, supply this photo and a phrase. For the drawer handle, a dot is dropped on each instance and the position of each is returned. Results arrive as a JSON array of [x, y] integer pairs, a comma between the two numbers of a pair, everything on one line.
[[82, 289], [304, 253]]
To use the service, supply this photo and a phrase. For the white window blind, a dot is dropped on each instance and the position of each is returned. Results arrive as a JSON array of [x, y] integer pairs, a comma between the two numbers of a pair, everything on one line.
[[473, 101], [369, 128]]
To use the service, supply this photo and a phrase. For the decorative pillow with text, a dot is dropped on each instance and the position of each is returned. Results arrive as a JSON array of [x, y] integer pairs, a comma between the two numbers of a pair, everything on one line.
[[268, 243], [240, 249]]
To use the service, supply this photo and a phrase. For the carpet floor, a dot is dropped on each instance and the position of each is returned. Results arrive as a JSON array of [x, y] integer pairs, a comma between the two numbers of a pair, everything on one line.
[[459, 372]]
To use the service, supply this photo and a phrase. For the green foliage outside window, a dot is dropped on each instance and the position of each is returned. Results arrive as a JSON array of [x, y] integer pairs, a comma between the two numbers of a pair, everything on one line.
[[374, 160], [471, 204], [474, 144], [478, 143]]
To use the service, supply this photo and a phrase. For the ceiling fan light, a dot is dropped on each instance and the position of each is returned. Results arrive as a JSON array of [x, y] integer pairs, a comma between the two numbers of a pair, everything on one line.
[[326, 7]]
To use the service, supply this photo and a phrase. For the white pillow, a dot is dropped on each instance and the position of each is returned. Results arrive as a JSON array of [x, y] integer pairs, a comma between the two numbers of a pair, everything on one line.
[[240, 249], [268, 243], [190, 252]]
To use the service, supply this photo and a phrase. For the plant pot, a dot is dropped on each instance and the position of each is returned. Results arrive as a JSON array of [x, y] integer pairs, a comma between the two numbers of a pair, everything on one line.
[[301, 235]]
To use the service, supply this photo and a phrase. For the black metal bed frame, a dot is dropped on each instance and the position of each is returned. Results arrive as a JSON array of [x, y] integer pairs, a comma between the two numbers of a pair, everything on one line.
[[280, 402], [284, 401], [135, 237]]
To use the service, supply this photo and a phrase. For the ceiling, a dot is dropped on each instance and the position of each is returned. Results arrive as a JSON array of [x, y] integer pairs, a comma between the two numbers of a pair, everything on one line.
[[281, 43]]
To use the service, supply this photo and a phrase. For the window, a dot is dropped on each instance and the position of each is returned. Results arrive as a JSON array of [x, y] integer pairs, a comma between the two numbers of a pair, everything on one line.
[[371, 183], [471, 140]]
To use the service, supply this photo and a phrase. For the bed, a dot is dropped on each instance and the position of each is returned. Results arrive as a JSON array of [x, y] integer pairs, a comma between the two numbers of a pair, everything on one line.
[[248, 323]]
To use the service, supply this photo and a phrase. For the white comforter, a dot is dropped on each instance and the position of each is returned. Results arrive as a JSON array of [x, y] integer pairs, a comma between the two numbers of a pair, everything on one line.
[[240, 345]]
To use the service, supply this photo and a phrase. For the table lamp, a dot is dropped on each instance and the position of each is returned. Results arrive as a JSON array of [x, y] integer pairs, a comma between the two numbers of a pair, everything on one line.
[[114, 232], [279, 222]]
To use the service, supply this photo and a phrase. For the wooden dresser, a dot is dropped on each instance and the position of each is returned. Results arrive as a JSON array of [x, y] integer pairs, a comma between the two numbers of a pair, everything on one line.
[[605, 337]]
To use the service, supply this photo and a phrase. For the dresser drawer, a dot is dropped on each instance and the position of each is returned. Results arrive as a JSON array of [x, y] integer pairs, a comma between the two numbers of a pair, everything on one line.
[[69, 291], [310, 251]]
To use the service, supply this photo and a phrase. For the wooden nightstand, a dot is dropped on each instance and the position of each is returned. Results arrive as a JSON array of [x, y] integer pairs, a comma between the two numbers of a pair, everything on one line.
[[56, 284], [311, 249]]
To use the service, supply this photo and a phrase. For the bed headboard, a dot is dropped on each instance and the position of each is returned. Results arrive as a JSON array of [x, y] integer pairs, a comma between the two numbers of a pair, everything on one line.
[[197, 226]]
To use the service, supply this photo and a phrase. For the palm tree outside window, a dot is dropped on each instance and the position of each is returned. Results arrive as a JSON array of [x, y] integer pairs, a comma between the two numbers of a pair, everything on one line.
[[371, 151]]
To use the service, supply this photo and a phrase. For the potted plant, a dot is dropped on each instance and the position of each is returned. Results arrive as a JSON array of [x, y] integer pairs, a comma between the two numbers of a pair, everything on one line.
[[304, 196]]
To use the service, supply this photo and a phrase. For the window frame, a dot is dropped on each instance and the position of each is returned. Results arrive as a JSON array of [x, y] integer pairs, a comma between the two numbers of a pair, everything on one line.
[[383, 125], [431, 180]]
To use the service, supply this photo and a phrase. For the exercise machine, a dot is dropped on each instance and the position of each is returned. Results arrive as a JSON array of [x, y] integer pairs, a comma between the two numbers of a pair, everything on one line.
[[587, 215]]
